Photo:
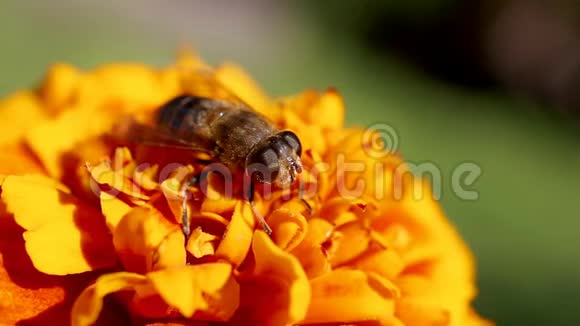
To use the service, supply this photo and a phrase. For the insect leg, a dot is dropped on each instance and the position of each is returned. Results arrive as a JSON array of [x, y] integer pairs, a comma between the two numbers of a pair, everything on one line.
[[195, 180], [301, 196], [257, 214]]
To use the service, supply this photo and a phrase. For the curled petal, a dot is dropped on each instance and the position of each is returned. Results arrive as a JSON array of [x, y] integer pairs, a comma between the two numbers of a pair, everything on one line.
[[89, 304], [57, 223], [352, 239], [208, 288], [201, 243], [277, 292], [289, 228], [310, 251], [146, 241], [117, 181], [352, 296], [238, 235], [385, 262]]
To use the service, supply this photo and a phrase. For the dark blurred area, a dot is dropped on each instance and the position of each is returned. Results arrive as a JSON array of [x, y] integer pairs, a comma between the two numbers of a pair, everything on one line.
[[528, 47]]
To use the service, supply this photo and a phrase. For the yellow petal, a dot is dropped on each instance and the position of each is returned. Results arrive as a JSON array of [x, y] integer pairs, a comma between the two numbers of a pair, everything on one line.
[[135, 87], [240, 83], [171, 189], [117, 178], [59, 86], [18, 113], [277, 292], [51, 139], [89, 304], [188, 59], [351, 295], [64, 235], [201, 243], [209, 288], [114, 209], [238, 236], [146, 241], [325, 110]]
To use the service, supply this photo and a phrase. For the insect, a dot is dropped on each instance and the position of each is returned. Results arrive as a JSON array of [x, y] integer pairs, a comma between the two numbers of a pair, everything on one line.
[[234, 134]]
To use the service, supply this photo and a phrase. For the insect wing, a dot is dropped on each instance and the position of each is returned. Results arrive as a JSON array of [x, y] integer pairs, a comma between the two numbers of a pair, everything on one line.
[[143, 134], [203, 83]]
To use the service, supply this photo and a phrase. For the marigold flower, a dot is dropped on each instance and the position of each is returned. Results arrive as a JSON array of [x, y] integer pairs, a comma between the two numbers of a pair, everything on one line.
[[90, 226]]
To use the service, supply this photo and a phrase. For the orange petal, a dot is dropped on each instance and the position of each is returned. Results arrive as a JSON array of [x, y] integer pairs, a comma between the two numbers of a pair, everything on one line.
[[208, 288], [57, 223], [288, 226], [146, 241], [277, 292], [352, 240], [310, 252], [89, 304], [386, 263], [439, 267], [311, 136], [216, 200], [334, 207], [17, 158], [238, 236], [201, 243], [351, 295], [416, 312]]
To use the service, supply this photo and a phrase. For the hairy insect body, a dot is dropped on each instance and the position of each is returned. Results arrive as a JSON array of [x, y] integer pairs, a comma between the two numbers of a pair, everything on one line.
[[235, 135]]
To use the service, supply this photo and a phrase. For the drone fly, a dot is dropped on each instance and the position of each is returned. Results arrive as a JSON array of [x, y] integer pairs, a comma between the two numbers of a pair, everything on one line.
[[234, 134]]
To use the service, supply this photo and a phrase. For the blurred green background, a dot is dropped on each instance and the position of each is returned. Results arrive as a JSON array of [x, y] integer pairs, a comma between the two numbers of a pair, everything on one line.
[[487, 82]]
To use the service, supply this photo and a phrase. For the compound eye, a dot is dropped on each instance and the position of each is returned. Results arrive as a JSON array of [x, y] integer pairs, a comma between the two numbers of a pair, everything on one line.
[[263, 165], [292, 140]]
